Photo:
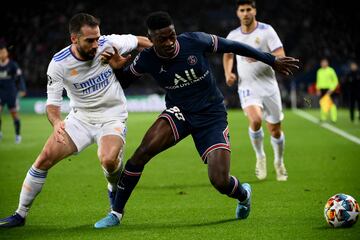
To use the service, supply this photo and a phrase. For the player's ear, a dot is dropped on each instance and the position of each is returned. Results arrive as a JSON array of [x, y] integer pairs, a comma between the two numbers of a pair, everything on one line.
[[74, 38]]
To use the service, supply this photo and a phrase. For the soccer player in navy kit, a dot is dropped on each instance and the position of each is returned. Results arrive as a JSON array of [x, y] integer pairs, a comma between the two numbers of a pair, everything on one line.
[[11, 80], [194, 106]]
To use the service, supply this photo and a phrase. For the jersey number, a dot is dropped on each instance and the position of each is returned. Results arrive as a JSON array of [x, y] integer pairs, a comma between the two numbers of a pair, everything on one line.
[[176, 111]]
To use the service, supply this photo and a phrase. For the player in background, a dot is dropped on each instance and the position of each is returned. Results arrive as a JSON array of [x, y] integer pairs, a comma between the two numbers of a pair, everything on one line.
[[326, 83], [352, 83], [257, 87], [98, 105], [12, 85], [194, 107]]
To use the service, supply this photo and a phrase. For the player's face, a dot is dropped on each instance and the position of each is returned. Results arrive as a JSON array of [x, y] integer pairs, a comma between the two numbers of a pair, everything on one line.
[[3, 54], [164, 41], [324, 63], [87, 41], [246, 13]]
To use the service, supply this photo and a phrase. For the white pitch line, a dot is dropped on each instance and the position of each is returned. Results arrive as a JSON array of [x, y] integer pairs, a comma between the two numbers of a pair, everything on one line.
[[329, 127]]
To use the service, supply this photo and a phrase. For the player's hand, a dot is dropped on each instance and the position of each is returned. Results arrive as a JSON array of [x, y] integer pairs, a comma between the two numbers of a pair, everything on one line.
[[230, 79], [59, 132], [286, 65], [114, 59]]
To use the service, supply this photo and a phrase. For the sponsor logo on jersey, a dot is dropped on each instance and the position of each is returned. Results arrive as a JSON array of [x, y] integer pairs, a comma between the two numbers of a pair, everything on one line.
[[94, 84], [190, 78], [257, 40]]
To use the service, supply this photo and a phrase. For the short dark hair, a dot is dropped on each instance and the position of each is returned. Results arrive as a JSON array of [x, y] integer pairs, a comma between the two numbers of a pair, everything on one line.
[[81, 19], [158, 20], [243, 2]]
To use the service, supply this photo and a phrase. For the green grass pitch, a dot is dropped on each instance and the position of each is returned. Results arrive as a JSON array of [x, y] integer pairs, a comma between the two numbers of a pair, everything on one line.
[[174, 199]]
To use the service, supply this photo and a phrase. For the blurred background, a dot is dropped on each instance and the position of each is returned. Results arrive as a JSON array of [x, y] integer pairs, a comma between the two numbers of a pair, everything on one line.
[[34, 31]]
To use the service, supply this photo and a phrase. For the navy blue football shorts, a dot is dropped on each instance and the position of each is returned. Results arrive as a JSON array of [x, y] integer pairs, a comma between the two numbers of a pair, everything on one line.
[[209, 130], [8, 99]]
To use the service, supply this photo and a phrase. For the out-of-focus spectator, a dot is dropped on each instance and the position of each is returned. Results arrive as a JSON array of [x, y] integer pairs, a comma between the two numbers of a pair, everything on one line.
[[352, 86]]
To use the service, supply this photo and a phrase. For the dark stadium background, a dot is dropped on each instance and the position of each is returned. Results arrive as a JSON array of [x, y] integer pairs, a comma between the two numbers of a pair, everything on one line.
[[35, 30]]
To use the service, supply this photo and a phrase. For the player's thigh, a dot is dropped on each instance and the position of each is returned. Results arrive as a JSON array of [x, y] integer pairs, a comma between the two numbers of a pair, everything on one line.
[[53, 152], [111, 140], [80, 132], [158, 138], [254, 113], [273, 113]]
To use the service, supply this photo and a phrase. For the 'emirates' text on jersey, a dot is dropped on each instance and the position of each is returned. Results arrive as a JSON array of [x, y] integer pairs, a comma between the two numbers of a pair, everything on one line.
[[94, 93], [257, 75]]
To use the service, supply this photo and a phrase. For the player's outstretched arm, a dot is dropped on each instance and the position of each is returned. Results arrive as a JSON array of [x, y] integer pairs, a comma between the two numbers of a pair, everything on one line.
[[284, 65]]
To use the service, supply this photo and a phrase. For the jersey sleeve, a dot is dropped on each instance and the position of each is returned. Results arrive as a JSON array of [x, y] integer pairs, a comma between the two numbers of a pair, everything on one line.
[[55, 84], [138, 66], [126, 76], [206, 42], [124, 43], [273, 40]]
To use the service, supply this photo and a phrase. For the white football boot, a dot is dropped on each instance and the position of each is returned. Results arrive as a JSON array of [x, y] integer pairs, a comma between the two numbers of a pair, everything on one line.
[[260, 169]]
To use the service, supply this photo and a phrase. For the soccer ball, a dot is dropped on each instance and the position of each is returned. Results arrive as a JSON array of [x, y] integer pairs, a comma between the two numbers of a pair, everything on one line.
[[341, 210]]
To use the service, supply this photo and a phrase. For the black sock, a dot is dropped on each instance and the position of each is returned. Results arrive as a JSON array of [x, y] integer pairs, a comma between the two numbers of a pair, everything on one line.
[[17, 126], [128, 180], [236, 190]]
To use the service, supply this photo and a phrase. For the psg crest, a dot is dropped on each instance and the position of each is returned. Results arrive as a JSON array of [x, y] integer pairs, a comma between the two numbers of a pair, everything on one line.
[[192, 60]]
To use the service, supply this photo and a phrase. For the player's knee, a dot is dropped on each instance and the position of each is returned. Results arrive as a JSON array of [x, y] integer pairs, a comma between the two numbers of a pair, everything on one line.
[[255, 124], [276, 133], [108, 161], [109, 164]]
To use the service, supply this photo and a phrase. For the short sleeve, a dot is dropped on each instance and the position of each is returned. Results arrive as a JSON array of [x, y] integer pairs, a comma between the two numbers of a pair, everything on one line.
[[124, 43], [55, 83], [273, 40]]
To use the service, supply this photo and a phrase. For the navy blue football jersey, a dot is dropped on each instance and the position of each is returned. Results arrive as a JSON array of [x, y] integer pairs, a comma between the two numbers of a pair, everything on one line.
[[187, 76], [10, 73]]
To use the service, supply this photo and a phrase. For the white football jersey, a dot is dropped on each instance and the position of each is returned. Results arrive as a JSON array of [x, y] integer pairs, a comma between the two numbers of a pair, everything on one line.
[[94, 92], [256, 76]]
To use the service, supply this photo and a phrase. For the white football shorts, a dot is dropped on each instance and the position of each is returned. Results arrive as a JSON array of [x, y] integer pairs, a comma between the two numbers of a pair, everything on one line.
[[84, 134], [271, 105]]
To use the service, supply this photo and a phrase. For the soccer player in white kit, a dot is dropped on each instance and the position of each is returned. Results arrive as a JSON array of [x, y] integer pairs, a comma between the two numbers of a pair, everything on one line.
[[257, 87], [98, 108]]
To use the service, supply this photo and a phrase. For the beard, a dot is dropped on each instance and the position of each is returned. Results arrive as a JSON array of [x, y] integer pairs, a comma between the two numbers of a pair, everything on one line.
[[89, 55]]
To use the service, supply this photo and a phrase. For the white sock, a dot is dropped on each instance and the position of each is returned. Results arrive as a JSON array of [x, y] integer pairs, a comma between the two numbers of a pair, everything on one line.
[[257, 139], [118, 215], [278, 145], [33, 183], [113, 178]]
